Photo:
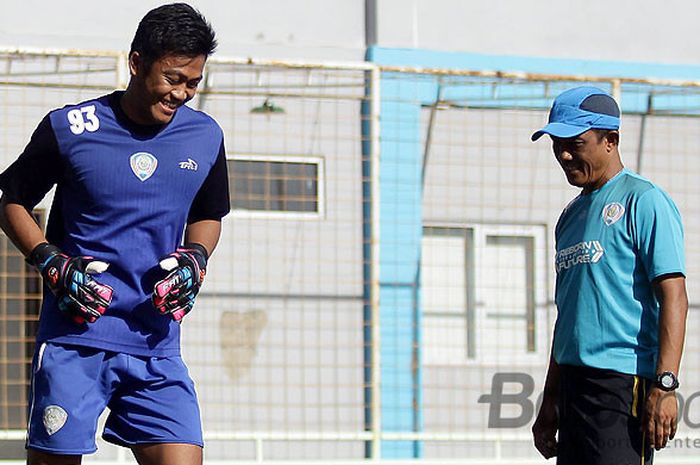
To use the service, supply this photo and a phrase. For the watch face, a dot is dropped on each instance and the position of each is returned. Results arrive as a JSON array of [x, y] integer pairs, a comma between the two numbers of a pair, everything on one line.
[[667, 381]]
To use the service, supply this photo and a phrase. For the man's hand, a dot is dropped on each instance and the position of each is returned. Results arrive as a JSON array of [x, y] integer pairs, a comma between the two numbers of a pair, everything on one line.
[[175, 294], [80, 297], [545, 428], [660, 417]]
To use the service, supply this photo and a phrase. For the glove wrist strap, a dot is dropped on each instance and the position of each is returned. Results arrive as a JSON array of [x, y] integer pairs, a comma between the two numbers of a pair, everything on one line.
[[41, 254], [199, 248]]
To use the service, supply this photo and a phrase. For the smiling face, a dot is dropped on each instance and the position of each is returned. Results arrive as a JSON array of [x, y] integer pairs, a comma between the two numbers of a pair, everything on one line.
[[155, 92], [589, 160]]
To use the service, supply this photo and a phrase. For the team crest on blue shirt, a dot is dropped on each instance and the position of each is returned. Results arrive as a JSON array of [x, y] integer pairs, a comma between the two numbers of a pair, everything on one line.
[[143, 164], [612, 212]]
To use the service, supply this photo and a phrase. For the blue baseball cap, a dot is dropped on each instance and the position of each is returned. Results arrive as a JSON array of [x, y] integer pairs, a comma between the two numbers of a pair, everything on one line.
[[577, 110]]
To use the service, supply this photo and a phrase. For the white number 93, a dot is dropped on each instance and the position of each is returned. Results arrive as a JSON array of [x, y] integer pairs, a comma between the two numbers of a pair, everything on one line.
[[83, 119]]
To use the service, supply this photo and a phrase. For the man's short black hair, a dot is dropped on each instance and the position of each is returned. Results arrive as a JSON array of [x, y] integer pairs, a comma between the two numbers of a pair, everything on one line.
[[602, 133], [174, 29]]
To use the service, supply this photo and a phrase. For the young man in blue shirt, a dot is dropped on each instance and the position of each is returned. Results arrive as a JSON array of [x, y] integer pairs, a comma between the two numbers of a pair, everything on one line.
[[141, 190], [620, 295]]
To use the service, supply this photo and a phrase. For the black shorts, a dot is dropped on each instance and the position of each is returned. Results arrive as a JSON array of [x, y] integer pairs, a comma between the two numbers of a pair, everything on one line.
[[600, 414]]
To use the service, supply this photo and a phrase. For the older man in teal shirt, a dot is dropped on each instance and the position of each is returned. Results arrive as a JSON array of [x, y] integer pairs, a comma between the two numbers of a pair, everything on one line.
[[620, 295]]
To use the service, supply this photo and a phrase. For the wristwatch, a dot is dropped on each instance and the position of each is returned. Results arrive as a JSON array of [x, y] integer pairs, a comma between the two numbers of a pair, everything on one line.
[[667, 381]]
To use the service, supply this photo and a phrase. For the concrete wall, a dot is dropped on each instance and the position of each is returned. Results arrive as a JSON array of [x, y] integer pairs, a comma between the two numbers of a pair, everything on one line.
[[317, 29], [308, 29], [596, 30], [295, 285]]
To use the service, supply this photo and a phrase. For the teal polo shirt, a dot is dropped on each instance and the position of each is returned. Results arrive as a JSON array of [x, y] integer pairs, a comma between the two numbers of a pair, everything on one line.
[[610, 245]]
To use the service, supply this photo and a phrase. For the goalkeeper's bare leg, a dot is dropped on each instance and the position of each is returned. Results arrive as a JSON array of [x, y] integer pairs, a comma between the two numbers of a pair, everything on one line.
[[168, 454], [36, 457], [148, 454]]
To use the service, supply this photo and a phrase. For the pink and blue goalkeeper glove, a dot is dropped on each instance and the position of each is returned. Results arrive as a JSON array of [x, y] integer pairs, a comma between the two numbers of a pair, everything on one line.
[[174, 295], [80, 297]]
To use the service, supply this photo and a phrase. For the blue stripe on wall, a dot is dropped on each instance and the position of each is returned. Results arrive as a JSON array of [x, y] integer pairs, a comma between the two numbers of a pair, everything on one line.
[[479, 62], [635, 95], [400, 223]]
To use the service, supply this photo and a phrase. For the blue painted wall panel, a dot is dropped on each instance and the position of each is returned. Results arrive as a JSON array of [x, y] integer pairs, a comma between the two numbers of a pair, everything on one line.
[[401, 224]]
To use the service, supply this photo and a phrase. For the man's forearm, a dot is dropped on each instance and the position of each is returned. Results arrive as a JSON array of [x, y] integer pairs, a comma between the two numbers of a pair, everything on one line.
[[551, 384], [205, 232], [673, 298], [19, 225]]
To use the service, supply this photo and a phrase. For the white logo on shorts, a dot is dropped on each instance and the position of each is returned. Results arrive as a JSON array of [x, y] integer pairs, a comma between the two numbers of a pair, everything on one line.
[[54, 418]]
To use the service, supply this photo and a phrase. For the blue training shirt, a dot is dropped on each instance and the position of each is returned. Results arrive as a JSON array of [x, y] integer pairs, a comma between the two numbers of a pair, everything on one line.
[[610, 245], [124, 195]]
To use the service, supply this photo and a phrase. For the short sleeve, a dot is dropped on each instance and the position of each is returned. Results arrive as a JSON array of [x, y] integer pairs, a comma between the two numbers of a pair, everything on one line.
[[36, 170], [212, 201], [659, 234]]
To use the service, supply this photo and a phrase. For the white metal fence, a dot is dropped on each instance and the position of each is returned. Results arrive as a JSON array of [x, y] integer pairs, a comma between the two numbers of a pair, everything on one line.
[[387, 262]]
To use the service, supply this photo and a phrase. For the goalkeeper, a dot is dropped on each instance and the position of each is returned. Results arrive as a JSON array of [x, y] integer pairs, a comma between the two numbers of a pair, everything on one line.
[[141, 190]]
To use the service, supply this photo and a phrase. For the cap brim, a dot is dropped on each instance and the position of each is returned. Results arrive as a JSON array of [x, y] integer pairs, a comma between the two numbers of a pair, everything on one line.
[[562, 130]]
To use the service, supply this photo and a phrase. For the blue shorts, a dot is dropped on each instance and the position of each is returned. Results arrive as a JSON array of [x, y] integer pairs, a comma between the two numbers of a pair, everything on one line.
[[151, 400]]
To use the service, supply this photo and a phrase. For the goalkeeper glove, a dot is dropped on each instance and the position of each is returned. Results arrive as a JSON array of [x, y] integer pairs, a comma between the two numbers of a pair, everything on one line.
[[175, 294], [79, 296]]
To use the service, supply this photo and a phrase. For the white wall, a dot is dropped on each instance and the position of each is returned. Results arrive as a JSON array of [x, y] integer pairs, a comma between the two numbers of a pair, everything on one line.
[[627, 30], [299, 29]]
